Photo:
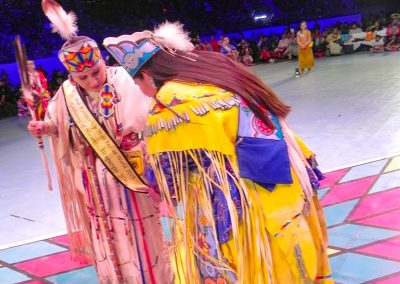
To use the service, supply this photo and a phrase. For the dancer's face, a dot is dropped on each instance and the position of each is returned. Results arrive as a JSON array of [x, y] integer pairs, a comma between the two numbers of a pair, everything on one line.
[[93, 79]]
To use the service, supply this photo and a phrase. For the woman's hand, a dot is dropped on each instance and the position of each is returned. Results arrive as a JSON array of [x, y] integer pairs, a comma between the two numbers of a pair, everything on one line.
[[38, 128]]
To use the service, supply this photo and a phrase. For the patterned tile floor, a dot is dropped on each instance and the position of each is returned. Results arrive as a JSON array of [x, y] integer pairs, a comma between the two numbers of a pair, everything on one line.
[[362, 207]]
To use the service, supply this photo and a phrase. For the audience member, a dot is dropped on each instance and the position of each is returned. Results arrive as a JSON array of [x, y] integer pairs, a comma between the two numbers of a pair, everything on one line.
[[370, 34], [379, 44], [392, 44], [282, 46], [319, 47], [394, 28], [265, 54], [334, 42], [229, 50], [355, 29], [246, 53], [214, 44], [292, 49], [265, 50]]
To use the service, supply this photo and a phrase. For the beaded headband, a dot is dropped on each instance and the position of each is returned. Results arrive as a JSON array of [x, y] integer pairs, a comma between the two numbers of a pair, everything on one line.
[[78, 54]]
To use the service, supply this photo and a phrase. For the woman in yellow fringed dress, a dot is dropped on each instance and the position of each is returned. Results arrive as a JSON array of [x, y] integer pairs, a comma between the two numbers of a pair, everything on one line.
[[304, 40], [239, 184]]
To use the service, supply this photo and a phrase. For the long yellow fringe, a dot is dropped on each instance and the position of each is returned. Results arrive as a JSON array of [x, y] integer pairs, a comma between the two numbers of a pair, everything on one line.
[[193, 193]]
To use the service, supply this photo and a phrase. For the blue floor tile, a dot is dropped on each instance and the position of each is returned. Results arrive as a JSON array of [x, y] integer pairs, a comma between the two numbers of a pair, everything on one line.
[[386, 181], [9, 276], [321, 192], [350, 236], [85, 275], [351, 268], [336, 214], [29, 251], [365, 170]]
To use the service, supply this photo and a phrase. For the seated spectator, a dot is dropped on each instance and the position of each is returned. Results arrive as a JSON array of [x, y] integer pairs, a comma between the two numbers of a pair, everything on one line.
[[229, 50], [214, 44], [319, 47], [246, 54], [355, 29], [368, 22], [370, 35], [207, 46], [254, 49], [393, 44], [292, 49], [379, 44], [273, 42], [221, 40], [334, 35], [197, 43], [376, 26], [394, 28], [345, 28], [265, 54], [384, 21], [282, 46], [334, 41]]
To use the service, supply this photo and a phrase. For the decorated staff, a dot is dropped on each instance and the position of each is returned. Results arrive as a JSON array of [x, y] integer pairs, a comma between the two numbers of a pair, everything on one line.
[[30, 100]]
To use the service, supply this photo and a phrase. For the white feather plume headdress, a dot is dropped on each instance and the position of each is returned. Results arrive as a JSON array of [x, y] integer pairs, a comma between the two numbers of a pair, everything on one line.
[[172, 37], [62, 22]]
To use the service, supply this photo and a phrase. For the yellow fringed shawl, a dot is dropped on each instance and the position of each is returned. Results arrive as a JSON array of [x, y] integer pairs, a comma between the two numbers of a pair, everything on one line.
[[203, 120], [211, 112]]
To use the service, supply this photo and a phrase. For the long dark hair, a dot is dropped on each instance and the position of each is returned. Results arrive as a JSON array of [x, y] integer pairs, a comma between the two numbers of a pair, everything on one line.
[[213, 68]]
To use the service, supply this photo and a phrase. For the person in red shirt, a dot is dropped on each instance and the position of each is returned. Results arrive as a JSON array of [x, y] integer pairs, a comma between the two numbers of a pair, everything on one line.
[[394, 28], [214, 44], [39, 89]]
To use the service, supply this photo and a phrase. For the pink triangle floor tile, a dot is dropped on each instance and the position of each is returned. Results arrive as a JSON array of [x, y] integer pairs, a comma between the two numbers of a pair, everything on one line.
[[377, 203], [390, 220], [346, 191], [49, 265], [388, 249]]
